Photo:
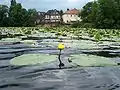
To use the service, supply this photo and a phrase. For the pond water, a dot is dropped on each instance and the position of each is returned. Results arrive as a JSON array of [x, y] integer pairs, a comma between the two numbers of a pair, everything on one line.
[[49, 76]]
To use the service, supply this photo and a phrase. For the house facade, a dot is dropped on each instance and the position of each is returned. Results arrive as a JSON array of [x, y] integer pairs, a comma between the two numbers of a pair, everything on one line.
[[51, 17], [71, 16], [55, 17]]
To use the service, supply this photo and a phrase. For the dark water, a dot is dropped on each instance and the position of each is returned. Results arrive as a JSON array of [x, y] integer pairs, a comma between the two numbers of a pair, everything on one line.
[[49, 77]]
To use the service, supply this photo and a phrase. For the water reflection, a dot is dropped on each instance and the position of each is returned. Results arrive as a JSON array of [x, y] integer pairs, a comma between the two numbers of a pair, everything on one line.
[[50, 77]]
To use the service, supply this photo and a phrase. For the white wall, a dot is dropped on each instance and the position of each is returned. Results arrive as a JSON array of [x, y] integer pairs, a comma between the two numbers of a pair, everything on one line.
[[68, 18], [52, 17], [55, 17]]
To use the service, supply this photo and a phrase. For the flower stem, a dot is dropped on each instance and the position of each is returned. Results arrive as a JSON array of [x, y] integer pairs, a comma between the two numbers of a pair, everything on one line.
[[61, 64]]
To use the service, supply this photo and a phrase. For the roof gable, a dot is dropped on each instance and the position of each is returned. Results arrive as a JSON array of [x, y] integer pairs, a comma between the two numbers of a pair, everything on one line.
[[53, 12], [72, 11]]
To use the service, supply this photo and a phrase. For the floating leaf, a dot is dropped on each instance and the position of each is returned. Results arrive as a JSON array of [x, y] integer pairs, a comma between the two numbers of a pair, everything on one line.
[[23, 37], [75, 44], [42, 34], [91, 60], [10, 40], [33, 59], [81, 44], [29, 42]]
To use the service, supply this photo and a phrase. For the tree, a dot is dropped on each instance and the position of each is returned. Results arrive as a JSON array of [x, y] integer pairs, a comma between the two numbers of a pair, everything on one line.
[[61, 14], [102, 13], [108, 15], [19, 16], [16, 14], [13, 2], [3, 15], [32, 16], [86, 12]]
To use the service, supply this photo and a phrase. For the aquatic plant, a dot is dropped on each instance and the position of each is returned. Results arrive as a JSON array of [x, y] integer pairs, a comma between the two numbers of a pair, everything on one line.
[[32, 59]]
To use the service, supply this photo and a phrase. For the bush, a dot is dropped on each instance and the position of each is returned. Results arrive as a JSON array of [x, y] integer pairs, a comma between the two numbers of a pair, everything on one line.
[[82, 25], [75, 24]]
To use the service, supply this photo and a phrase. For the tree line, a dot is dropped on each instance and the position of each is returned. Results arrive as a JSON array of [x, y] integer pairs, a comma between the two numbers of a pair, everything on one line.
[[100, 14], [16, 15], [95, 14]]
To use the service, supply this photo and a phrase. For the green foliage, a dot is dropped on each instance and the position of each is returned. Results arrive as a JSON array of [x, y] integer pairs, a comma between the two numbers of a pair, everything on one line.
[[102, 14], [4, 15], [86, 12], [76, 24], [97, 36], [61, 14], [13, 2], [16, 15], [82, 25], [32, 15]]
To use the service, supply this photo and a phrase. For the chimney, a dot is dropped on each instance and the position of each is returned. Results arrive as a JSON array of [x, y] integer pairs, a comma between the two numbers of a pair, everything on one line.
[[67, 9]]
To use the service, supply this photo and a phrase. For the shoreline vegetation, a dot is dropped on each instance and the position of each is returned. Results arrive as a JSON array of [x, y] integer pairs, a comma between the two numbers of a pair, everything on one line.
[[100, 14]]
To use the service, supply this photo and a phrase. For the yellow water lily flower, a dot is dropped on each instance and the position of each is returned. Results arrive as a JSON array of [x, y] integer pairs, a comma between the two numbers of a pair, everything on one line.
[[61, 46]]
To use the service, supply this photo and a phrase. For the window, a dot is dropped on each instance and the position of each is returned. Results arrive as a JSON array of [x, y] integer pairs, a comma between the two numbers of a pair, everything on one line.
[[47, 16]]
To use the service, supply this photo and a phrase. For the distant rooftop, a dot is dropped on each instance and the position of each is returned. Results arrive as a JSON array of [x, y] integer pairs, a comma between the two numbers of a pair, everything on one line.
[[72, 11], [53, 12]]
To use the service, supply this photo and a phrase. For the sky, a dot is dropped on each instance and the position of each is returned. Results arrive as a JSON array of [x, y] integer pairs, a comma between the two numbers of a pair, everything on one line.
[[44, 5]]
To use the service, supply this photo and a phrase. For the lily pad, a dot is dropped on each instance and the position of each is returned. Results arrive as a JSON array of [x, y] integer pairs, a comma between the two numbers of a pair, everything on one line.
[[29, 42], [10, 40], [42, 35], [51, 44], [22, 37], [110, 44], [81, 44], [91, 60], [75, 44], [33, 59]]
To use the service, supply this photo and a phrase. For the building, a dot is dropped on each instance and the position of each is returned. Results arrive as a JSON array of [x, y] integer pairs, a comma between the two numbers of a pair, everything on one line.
[[55, 17], [52, 17], [49, 18], [71, 16]]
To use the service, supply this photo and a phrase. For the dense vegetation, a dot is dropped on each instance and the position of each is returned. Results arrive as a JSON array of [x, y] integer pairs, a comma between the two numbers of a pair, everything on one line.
[[100, 14], [16, 15], [67, 32]]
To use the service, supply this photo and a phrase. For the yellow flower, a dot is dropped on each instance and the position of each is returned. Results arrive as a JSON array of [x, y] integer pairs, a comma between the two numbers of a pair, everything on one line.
[[61, 46]]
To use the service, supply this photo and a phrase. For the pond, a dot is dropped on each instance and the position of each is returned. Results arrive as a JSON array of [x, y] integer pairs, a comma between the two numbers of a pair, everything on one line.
[[48, 76]]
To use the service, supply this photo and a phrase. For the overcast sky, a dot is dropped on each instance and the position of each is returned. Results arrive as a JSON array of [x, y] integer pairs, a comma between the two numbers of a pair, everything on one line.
[[43, 5]]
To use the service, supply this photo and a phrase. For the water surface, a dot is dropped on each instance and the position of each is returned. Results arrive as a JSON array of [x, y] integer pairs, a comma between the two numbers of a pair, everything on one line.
[[50, 77]]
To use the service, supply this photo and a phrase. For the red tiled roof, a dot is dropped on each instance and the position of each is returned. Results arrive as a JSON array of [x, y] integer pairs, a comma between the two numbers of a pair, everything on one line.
[[72, 11]]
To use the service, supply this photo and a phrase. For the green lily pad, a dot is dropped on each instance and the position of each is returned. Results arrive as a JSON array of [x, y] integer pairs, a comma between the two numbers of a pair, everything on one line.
[[12, 40], [75, 44], [110, 44], [81, 44], [29, 42], [33, 59], [22, 37], [41, 35], [91, 60]]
